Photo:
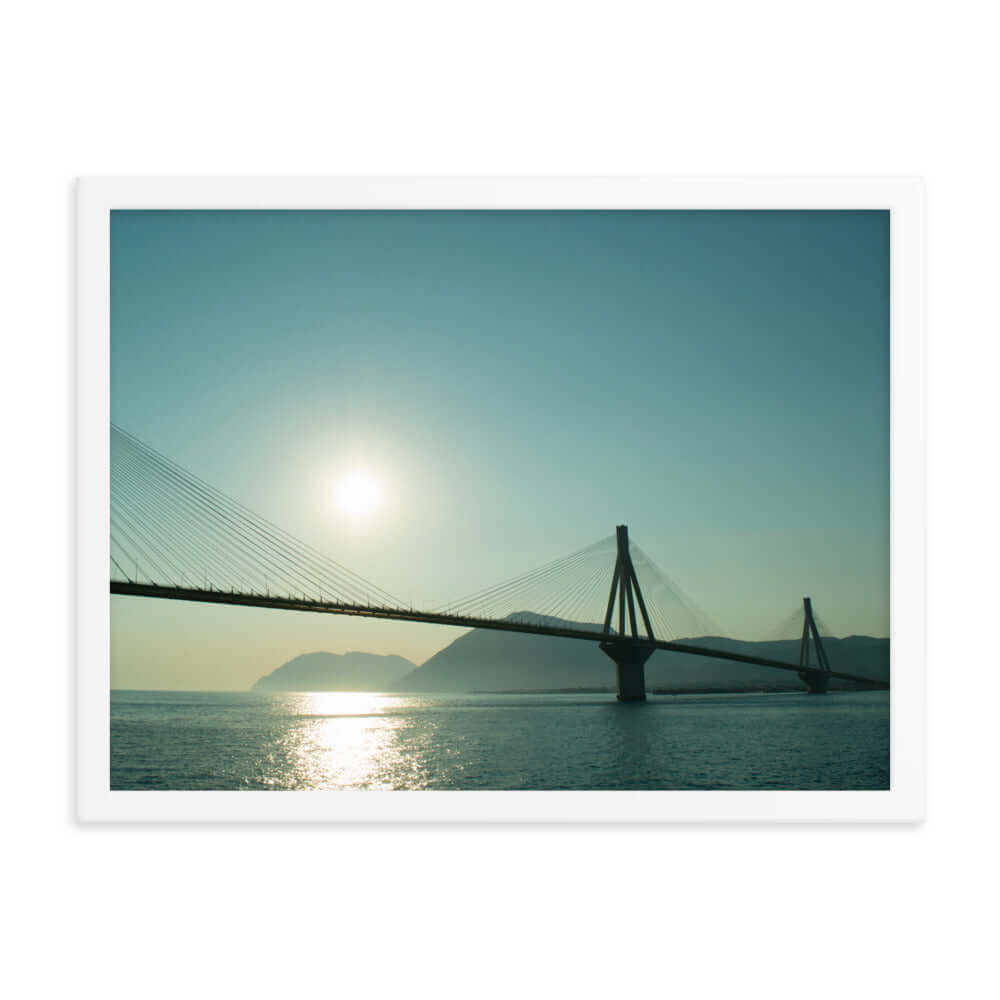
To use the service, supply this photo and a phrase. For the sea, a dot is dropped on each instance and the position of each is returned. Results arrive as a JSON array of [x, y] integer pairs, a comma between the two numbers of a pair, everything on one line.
[[360, 740]]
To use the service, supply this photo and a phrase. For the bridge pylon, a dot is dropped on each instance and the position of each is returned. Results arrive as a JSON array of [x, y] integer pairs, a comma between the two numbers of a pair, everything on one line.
[[816, 679], [629, 652]]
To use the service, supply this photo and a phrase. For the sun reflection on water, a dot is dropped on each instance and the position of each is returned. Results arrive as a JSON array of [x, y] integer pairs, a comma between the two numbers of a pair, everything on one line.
[[349, 739]]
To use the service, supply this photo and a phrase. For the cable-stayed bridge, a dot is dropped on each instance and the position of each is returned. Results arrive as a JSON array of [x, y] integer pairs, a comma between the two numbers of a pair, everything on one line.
[[175, 536]]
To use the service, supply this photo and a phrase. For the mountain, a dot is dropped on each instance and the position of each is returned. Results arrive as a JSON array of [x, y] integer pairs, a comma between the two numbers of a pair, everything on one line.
[[857, 654], [485, 660], [336, 672]]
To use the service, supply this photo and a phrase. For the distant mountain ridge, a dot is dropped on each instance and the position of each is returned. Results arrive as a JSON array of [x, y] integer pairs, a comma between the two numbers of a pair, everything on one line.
[[532, 618], [336, 672], [495, 661], [486, 660]]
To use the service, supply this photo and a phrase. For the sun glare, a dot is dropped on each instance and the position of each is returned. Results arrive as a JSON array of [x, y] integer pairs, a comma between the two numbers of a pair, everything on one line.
[[358, 493]]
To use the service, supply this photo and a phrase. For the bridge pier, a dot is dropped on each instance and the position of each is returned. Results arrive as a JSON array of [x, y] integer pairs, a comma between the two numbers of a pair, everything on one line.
[[816, 681], [630, 663]]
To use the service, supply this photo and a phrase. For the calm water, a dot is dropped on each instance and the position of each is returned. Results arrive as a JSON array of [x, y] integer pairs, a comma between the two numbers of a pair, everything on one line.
[[355, 740]]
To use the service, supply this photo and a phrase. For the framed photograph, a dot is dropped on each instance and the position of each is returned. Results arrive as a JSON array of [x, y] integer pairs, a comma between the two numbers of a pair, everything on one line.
[[500, 499]]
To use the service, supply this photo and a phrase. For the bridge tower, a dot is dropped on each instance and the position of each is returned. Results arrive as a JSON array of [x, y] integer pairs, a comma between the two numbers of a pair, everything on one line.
[[815, 678], [629, 652]]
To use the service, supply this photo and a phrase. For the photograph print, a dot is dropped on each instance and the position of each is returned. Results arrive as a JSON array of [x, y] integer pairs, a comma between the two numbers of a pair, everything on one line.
[[548, 500]]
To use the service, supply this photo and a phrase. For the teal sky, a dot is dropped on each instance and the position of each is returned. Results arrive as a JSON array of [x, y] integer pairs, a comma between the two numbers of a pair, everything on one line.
[[519, 383]]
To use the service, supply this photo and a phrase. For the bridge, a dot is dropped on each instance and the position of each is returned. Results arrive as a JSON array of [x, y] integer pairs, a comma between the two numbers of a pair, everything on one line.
[[176, 537]]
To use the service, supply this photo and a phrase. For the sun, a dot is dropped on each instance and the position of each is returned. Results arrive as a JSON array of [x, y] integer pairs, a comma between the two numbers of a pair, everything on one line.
[[358, 493]]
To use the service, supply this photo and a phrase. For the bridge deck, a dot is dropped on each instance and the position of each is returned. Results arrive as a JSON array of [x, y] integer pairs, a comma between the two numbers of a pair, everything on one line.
[[459, 621]]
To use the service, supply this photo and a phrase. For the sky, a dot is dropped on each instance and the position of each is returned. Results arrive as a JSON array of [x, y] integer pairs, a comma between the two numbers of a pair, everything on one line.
[[509, 386]]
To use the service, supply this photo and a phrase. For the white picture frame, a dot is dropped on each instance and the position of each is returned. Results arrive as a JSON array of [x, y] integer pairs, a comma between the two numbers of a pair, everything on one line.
[[96, 197]]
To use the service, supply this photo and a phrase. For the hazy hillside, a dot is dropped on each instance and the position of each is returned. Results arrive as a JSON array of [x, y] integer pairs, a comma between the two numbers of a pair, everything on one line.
[[484, 660], [336, 672]]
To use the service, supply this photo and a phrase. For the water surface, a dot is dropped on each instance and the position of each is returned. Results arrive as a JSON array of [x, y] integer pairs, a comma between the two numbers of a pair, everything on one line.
[[335, 740]]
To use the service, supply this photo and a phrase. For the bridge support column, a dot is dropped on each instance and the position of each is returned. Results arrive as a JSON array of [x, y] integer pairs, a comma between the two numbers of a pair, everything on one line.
[[630, 661], [815, 681]]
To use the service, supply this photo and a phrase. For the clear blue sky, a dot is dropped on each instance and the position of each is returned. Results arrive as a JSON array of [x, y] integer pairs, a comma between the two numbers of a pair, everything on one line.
[[519, 383]]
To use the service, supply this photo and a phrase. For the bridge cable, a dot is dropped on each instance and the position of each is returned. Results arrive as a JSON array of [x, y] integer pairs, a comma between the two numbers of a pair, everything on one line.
[[500, 593], [193, 498], [188, 495]]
